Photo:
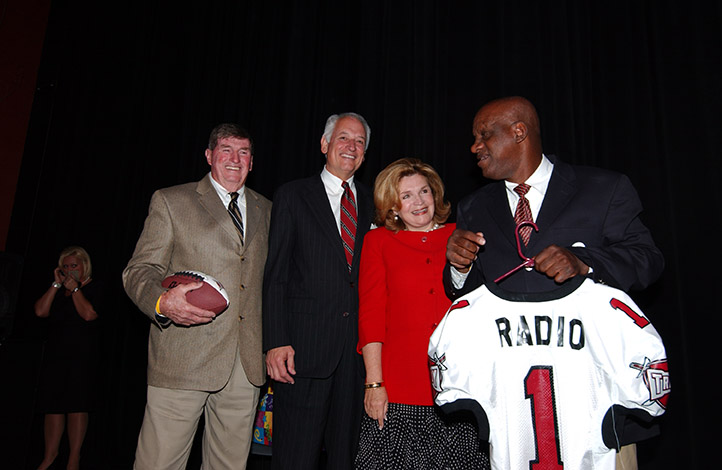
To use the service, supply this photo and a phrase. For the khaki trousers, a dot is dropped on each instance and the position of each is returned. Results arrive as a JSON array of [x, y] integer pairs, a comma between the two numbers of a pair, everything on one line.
[[172, 416], [627, 457]]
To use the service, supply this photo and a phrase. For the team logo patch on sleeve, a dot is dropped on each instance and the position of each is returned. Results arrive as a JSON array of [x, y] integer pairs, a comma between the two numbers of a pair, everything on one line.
[[656, 377]]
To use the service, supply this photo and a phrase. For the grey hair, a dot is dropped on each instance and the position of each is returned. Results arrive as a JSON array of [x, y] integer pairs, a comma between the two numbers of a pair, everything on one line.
[[333, 119]]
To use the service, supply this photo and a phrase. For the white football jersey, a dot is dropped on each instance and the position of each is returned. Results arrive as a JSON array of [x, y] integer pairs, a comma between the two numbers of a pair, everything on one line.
[[549, 376]]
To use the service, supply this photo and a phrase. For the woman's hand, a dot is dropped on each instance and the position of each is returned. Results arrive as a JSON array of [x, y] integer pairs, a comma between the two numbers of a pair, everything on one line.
[[376, 400], [376, 403], [58, 275], [69, 282]]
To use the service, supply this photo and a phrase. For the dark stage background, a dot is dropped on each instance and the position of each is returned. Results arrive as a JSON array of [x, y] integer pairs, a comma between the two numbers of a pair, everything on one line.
[[127, 93]]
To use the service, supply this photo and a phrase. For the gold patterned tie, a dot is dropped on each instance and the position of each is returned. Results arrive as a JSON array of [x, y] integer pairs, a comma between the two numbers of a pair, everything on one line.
[[235, 213]]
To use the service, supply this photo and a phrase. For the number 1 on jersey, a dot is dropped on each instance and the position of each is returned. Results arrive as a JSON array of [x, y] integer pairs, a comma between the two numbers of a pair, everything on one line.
[[539, 387]]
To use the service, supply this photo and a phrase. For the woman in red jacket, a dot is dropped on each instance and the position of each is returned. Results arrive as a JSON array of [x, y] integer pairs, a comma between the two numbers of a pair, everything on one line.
[[401, 301]]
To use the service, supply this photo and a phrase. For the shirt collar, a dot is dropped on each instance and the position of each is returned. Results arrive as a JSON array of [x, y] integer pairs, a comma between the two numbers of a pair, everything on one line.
[[333, 182], [539, 180], [225, 196]]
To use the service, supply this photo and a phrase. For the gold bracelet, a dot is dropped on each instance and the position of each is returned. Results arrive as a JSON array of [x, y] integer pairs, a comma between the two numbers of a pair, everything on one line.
[[374, 385]]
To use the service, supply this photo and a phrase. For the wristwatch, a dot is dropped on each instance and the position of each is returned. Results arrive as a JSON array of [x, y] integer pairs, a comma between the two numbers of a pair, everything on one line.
[[75, 290]]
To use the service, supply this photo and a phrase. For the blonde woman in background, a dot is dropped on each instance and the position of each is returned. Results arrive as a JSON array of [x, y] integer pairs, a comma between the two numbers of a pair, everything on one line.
[[70, 368]]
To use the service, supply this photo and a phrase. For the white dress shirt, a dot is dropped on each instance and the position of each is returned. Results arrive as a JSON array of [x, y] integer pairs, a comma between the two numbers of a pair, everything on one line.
[[539, 181]]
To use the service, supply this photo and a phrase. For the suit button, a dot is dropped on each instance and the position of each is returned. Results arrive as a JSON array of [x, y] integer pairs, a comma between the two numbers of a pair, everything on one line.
[[345, 314], [353, 284], [243, 286], [431, 291]]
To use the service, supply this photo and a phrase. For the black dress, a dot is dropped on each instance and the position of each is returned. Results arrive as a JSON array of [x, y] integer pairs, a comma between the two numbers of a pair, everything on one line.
[[70, 373]]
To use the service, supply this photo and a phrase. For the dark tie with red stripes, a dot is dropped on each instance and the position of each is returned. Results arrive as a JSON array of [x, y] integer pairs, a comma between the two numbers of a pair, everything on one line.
[[348, 223]]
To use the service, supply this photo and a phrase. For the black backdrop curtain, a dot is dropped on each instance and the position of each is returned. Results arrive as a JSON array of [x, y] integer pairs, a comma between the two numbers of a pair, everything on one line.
[[128, 92]]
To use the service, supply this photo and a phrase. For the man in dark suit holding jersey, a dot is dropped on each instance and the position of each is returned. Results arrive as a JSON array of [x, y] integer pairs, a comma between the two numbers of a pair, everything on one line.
[[310, 304], [588, 218]]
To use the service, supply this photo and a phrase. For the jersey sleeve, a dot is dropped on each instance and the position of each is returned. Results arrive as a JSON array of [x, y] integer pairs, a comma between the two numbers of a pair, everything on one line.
[[632, 353]]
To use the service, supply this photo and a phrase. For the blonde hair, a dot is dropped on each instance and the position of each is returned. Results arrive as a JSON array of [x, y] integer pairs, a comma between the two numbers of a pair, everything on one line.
[[386, 192], [82, 255]]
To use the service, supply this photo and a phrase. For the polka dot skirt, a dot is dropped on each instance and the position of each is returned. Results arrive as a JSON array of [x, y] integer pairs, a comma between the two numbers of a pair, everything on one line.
[[419, 438]]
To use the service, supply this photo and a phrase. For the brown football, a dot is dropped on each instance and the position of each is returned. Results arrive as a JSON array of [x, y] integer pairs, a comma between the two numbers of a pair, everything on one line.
[[210, 296]]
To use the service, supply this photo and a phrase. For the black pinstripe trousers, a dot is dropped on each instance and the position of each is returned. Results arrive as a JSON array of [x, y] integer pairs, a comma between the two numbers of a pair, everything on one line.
[[319, 413]]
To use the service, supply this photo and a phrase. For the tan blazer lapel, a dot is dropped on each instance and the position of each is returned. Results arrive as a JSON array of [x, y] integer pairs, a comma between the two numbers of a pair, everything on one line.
[[253, 216], [212, 203]]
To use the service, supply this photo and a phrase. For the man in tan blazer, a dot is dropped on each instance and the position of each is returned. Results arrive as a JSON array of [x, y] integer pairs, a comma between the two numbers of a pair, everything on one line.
[[199, 362]]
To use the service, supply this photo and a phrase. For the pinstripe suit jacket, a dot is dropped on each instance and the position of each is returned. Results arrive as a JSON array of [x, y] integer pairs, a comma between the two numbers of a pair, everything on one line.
[[310, 299], [188, 228]]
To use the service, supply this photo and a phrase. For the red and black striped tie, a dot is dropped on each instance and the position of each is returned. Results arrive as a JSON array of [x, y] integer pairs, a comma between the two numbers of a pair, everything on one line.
[[348, 223], [523, 212]]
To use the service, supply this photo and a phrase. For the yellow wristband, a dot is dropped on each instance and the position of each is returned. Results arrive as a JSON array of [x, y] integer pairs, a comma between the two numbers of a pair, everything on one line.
[[157, 306], [374, 385]]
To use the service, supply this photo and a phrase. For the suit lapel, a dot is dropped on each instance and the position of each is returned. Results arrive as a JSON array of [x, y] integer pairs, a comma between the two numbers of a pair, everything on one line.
[[499, 209], [253, 216], [320, 209], [561, 190], [212, 203]]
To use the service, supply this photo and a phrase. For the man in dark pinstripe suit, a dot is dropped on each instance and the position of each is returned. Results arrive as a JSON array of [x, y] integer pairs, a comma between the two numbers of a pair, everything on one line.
[[310, 307]]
